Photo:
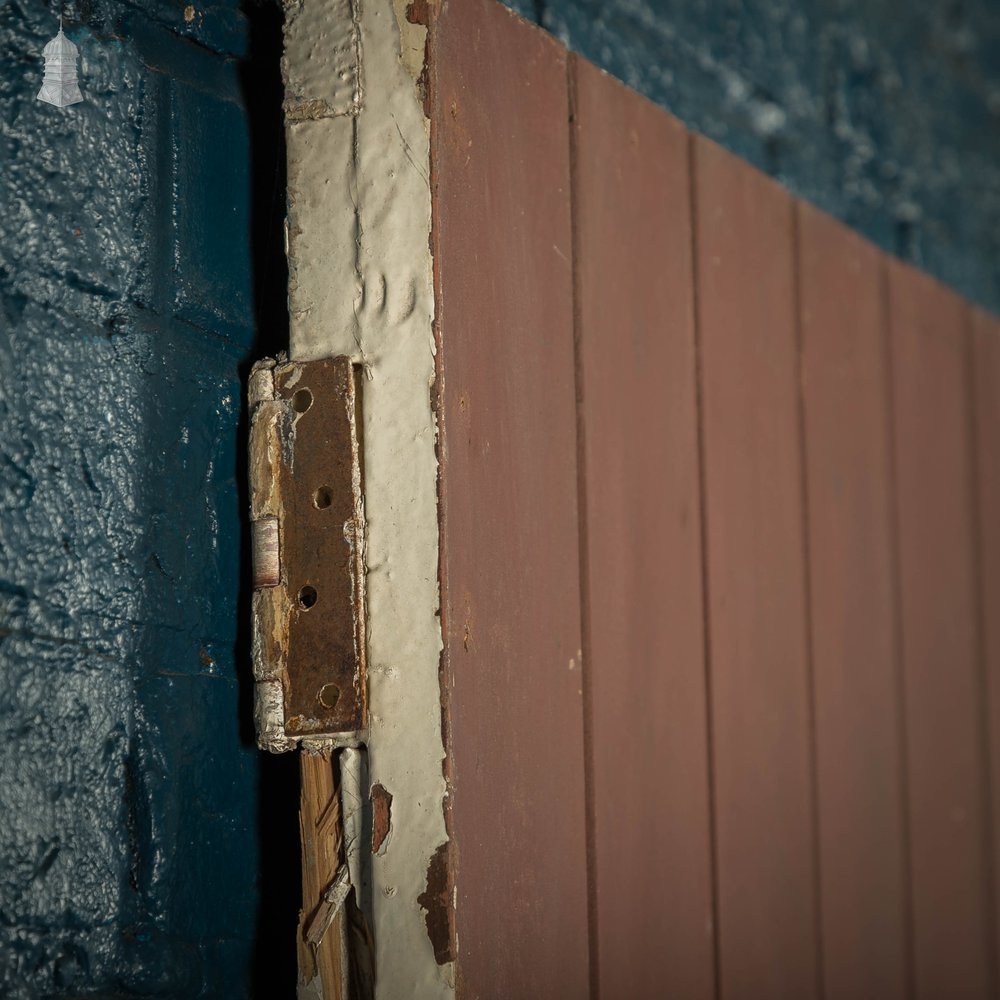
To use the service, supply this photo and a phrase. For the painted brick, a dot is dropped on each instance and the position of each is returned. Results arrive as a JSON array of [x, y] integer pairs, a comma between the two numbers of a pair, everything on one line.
[[129, 789], [211, 195]]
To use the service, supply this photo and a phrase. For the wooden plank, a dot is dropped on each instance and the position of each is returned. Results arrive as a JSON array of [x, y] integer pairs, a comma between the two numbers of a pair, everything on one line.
[[952, 917], [322, 966], [644, 646], [986, 348], [859, 758], [500, 152], [756, 570]]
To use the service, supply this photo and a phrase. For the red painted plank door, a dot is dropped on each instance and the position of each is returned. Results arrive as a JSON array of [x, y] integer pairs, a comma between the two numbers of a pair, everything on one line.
[[760, 697], [952, 916], [644, 624], [511, 584], [859, 765], [986, 364]]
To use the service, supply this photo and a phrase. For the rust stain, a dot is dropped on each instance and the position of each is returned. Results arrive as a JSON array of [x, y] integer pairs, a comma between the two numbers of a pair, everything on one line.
[[435, 900], [381, 816], [321, 558], [308, 534]]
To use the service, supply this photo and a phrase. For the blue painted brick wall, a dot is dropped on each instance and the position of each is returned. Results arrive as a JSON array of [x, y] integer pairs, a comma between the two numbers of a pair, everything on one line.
[[129, 789]]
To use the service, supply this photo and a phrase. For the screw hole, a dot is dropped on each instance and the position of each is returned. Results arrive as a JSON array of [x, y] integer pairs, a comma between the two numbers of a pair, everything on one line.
[[307, 597], [323, 498], [302, 400], [329, 695]]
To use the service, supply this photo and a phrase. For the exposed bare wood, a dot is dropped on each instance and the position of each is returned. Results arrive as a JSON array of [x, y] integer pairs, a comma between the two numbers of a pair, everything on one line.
[[323, 964]]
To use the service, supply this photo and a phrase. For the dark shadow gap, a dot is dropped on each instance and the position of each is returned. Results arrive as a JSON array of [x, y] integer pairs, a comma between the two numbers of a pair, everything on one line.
[[274, 971]]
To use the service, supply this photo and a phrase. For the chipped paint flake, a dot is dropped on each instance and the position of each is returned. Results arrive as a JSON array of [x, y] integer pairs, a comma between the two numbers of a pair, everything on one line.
[[381, 800], [322, 62]]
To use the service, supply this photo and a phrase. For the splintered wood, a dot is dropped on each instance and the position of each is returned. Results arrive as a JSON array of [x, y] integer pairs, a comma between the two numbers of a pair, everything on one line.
[[321, 941]]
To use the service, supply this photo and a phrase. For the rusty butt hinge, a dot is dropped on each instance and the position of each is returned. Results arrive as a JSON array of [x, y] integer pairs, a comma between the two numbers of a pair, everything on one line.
[[307, 515]]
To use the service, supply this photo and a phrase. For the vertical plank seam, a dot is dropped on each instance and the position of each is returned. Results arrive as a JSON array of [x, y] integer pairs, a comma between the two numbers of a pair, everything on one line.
[[593, 938], [979, 582], [703, 544], [906, 860], [806, 563]]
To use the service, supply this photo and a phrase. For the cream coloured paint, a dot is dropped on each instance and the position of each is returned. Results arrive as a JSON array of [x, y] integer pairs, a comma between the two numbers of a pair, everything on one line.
[[360, 283]]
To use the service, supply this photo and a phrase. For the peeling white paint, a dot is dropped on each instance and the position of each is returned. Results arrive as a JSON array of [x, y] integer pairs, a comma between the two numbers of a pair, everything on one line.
[[361, 284], [333, 900], [351, 805], [322, 64]]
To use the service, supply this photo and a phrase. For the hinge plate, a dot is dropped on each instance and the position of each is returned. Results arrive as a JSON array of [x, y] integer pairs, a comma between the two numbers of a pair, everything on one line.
[[307, 515]]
